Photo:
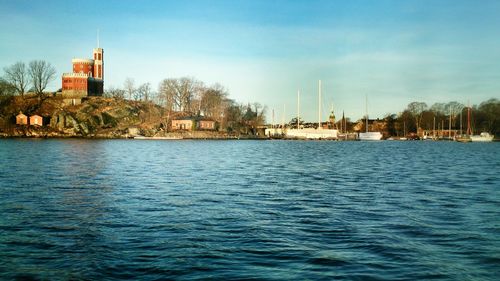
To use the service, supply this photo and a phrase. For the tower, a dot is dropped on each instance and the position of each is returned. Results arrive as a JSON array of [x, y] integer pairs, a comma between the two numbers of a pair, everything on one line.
[[98, 77], [99, 63]]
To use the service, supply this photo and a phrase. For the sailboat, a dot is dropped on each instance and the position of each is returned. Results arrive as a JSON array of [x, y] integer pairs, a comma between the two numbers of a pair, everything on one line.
[[466, 137], [311, 133], [369, 136], [404, 132], [482, 137]]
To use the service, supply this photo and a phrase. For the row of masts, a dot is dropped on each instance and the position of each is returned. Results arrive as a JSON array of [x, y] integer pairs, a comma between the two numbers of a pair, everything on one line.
[[298, 109], [343, 125], [469, 127]]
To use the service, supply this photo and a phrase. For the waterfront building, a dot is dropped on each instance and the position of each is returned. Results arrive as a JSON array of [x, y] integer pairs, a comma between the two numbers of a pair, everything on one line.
[[36, 120], [21, 119], [87, 78], [193, 123]]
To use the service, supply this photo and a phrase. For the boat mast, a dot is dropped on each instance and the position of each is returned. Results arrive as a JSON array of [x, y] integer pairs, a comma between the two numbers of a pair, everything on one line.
[[434, 128], [449, 126], [283, 119], [442, 129], [272, 125], [461, 121], [469, 131], [298, 109], [319, 105], [366, 111]]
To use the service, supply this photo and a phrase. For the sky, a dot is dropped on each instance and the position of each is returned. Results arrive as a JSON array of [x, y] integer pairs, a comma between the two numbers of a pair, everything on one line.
[[390, 53]]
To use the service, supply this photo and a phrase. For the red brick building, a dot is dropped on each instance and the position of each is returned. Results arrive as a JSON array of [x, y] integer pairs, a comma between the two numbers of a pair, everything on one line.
[[87, 78]]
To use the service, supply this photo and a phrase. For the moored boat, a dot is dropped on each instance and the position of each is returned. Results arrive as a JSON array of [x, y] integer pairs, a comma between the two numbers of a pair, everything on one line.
[[483, 137], [311, 133], [369, 136], [463, 138], [467, 136]]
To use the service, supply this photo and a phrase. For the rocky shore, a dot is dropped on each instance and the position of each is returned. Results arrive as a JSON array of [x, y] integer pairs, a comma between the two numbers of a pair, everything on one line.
[[97, 117]]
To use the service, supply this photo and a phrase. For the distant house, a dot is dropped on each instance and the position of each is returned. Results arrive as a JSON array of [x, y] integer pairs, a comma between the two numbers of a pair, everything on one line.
[[183, 124], [36, 120], [193, 123], [21, 119], [206, 124]]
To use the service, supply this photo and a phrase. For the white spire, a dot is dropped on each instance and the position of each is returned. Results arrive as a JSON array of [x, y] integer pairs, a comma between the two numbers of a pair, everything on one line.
[[98, 38]]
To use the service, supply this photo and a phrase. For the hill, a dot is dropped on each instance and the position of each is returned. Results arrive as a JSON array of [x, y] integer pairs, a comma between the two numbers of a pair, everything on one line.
[[95, 117]]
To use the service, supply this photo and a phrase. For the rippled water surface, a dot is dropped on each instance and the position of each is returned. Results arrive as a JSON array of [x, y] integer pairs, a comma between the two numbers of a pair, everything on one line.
[[261, 210]]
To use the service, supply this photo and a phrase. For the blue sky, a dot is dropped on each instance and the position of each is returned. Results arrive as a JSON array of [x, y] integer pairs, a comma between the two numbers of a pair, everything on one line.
[[395, 52]]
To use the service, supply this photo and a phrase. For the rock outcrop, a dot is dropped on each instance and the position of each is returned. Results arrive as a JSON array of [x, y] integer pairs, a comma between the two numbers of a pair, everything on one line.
[[95, 117]]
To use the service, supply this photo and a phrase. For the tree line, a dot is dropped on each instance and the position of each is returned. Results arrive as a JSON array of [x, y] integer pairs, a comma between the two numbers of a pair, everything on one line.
[[191, 97], [418, 116], [444, 116]]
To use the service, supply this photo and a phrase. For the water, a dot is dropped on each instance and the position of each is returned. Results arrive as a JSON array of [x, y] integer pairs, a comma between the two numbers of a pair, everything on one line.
[[260, 210]]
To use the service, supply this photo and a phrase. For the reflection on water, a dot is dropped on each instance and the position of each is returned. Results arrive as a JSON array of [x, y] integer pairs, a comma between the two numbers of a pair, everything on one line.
[[116, 209]]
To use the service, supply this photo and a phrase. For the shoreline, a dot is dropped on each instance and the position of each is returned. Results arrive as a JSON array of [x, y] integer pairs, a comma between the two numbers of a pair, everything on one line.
[[170, 137]]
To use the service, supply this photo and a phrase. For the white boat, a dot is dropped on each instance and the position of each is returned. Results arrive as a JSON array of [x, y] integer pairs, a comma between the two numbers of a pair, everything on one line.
[[311, 133], [483, 137], [369, 136], [469, 137]]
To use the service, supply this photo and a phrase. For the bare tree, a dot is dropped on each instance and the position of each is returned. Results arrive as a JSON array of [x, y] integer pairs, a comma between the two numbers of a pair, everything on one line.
[[439, 108], [261, 117], [416, 109], [180, 93], [167, 93], [189, 89], [233, 117], [114, 93], [18, 76], [6, 88], [129, 87], [41, 73], [212, 102], [454, 107], [144, 91]]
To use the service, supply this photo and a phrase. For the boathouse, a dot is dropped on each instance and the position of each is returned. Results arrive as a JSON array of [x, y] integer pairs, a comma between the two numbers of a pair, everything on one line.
[[36, 120], [21, 119]]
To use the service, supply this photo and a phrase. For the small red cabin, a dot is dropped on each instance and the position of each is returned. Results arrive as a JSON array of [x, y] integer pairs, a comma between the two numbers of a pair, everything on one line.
[[21, 119], [36, 120]]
